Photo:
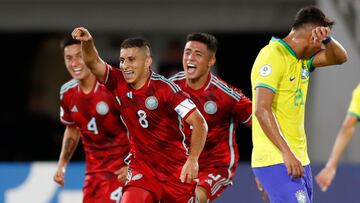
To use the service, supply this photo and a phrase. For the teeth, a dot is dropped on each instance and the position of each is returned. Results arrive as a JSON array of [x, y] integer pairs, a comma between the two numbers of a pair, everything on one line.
[[191, 65], [77, 69]]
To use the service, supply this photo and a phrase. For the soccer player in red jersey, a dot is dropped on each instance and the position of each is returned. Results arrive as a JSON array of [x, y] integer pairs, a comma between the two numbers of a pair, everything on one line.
[[89, 112], [223, 107], [164, 165]]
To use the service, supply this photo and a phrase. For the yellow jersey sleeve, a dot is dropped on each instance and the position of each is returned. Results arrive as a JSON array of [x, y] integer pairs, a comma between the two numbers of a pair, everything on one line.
[[354, 108], [269, 74]]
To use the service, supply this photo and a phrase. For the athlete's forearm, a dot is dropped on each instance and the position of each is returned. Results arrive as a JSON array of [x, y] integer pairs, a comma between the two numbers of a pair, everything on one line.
[[198, 136], [343, 138], [70, 142], [269, 125], [335, 52]]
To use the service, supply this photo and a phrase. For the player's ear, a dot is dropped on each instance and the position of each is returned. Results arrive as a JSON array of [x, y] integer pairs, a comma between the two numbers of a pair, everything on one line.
[[148, 61], [212, 61]]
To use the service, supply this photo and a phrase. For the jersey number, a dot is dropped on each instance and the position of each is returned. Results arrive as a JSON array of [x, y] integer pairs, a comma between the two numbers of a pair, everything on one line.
[[116, 195], [92, 126], [142, 119]]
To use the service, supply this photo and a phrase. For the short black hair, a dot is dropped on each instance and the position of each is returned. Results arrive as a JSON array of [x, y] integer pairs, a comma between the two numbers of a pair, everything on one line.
[[205, 38], [138, 42], [311, 15], [67, 41]]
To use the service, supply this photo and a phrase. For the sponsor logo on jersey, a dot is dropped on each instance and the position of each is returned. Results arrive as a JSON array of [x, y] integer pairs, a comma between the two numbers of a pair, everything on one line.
[[151, 103], [265, 70], [137, 176], [210, 107], [102, 108], [74, 109], [300, 196]]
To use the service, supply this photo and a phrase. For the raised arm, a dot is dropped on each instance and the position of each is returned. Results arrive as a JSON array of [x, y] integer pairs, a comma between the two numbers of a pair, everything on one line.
[[333, 52], [89, 53], [70, 141], [198, 137], [267, 120], [327, 174]]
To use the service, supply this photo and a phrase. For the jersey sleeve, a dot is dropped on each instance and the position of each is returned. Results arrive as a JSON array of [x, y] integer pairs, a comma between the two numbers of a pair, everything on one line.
[[242, 108], [65, 115], [178, 100], [354, 108], [112, 77], [269, 71]]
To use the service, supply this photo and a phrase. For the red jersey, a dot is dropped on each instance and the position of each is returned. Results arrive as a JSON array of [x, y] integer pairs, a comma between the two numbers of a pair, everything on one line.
[[223, 107], [103, 134], [153, 115]]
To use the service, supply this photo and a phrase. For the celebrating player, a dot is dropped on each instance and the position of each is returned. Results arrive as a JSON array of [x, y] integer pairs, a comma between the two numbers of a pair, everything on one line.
[[223, 107], [89, 112]]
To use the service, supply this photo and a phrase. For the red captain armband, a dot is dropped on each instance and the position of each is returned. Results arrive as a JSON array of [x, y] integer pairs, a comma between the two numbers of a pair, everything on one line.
[[327, 40]]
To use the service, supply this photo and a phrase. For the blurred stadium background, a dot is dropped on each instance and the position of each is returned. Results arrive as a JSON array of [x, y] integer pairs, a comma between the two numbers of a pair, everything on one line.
[[33, 71]]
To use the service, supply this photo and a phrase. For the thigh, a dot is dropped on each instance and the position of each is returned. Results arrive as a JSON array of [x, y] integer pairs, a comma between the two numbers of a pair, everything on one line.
[[215, 181], [135, 194], [141, 176], [102, 188], [176, 191], [281, 187]]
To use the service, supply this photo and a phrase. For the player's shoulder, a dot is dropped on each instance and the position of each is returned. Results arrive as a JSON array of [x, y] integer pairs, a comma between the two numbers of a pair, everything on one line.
[[178, 76], [224, 88], [162, 82], [68, 86]]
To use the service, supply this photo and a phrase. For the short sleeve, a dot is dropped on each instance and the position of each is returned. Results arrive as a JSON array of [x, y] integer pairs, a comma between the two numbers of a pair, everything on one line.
[[269, 70], [65, 115], [242, 108], [354, 108], [112, 77]]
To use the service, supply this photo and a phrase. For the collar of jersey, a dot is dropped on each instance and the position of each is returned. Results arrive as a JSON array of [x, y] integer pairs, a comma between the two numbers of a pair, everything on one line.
[[274, 39]]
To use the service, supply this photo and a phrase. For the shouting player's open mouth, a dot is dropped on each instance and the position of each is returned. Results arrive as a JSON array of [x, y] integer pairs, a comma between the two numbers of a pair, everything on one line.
[[191, 68], [128, 74]]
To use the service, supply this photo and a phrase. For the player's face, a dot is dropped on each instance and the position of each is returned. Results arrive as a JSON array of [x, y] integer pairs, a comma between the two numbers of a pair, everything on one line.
[[197, 60], [134, 64], [74, 62]]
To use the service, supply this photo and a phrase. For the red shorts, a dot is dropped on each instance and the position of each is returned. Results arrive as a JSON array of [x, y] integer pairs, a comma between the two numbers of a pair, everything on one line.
[[102, 187], [169, 191], [215, 181]]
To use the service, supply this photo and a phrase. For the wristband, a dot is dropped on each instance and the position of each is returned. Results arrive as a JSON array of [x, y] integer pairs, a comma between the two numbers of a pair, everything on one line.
[[327, 40]]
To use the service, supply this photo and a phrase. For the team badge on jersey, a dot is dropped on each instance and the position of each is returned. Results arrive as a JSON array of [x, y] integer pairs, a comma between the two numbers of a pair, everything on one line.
[[265, 70], [102, 108], [151, 103], [300, 196], [304, 73], [210, 107]]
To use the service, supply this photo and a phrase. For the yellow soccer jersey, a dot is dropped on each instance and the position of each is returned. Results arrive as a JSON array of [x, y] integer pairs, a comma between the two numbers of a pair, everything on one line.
[[278, 69], [354, 108]]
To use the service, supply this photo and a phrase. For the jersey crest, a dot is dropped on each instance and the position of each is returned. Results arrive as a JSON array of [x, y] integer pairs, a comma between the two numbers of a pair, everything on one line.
[[102, 108], [210, 107], [151, 103]]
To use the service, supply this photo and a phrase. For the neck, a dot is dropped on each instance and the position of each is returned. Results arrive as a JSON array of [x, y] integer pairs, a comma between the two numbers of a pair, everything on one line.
[[87, 84], [197, 83], [298, 41], [142, 80]]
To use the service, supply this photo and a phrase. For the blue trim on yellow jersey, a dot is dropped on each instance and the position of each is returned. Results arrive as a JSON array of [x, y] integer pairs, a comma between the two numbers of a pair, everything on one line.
[[355, 115], [285, 45], [266, 86]]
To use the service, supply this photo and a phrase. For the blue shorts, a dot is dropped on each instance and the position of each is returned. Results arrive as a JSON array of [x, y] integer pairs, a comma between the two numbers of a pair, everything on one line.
[[281, 188]]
